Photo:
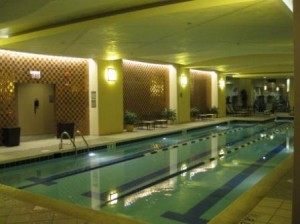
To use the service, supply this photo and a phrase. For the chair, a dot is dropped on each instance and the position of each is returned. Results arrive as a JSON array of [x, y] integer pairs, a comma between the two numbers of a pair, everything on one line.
[[230, 110], [269, 109]]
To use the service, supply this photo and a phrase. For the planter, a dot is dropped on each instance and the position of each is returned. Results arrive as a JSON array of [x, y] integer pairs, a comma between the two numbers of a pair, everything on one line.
[[130, 118], [168, 114], [170, 122], [129, 127], [11, 136], [62, 127]]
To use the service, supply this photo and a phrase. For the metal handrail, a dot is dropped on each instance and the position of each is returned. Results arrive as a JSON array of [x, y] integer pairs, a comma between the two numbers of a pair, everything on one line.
[[69, 137], [80, 134]]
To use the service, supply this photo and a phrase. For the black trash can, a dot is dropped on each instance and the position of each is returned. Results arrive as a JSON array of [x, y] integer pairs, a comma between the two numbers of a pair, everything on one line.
[[11, 136], [65, 127]]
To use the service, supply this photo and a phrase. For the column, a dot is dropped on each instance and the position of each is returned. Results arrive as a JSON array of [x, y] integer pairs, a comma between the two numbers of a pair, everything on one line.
[[291, 94], [222, 95], [214, 89], [93, 99], [183, 94], [110, 96], [296, 195]]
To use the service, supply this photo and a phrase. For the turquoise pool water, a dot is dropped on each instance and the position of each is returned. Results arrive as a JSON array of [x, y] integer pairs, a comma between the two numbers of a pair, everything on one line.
[[186, 177]]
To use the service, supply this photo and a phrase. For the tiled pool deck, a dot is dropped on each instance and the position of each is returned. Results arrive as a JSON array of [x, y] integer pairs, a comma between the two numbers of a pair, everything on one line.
[[276, 206], [17, 206]]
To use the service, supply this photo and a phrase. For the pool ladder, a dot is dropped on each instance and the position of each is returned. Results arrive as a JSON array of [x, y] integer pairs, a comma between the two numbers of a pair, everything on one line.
[[63, 134], [78, 133]]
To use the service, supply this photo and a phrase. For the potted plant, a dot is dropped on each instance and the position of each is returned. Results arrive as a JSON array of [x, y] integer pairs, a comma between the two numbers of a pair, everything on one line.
[[130, 118], [169, 114], [194, 113], [214, 110]]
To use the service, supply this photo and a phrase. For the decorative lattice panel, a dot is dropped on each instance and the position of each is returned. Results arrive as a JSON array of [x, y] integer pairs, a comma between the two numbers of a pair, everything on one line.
[[146, 88], [201, 90], [70, 77]]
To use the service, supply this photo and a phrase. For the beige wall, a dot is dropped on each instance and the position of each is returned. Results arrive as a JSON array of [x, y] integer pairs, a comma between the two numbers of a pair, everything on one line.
[[69, 75], [40, 121]]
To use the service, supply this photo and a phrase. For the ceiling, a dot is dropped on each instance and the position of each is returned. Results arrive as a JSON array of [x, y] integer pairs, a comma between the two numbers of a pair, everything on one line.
[[250, 38]]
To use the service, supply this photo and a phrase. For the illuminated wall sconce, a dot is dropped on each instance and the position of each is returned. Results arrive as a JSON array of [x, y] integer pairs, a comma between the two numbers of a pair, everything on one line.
[[277, 88], [183, 80], [111, 74], [288, 84], [265, 87], [222, 83]]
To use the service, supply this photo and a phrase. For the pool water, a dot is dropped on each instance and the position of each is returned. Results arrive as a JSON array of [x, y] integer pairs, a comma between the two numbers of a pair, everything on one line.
[[186, 177]]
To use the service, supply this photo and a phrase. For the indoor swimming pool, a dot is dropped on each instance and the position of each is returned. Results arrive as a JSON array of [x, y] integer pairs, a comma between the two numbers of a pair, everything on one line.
[[184, 177]]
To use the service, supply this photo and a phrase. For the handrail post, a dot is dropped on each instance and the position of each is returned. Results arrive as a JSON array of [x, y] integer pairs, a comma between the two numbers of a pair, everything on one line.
[[69, 137], [80, 134]]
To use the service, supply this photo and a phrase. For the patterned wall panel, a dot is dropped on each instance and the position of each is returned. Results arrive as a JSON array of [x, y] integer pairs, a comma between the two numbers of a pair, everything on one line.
[[69, 75], [201, 90], [146, 88]]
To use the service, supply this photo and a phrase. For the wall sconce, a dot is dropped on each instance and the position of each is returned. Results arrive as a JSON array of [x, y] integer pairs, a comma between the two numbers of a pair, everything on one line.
[[265, 87], [111, 74], [288, 84], [277, 88], [222, 83], [183, 80]]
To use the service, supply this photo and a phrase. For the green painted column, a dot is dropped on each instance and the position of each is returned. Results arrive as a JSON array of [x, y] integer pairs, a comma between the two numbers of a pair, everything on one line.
[[221, 95], [110, 97], [183, 94]]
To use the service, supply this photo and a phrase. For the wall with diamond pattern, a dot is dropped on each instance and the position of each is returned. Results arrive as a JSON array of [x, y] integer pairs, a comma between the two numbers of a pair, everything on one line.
[[146, 88], [69, 75], [200, 90]]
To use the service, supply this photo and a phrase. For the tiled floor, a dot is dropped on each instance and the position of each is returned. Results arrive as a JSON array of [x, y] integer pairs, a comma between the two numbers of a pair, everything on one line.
[[276, 207], [13, 209], [16, 211]]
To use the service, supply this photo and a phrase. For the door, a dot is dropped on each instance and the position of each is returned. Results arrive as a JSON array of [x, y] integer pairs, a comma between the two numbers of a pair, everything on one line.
[[36, 109]]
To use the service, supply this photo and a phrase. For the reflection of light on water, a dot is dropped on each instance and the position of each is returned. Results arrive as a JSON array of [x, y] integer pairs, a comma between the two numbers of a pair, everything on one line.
[[166, 186], [113, 198], [156, 146], [182, 168], [263, 135], [222, 151], [204, 168], [213, 164], [196, 171], [92, 154], [235, 162]]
